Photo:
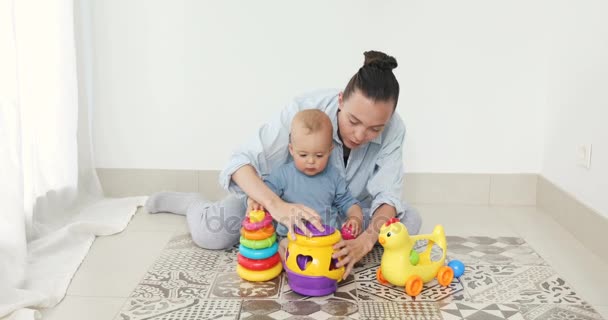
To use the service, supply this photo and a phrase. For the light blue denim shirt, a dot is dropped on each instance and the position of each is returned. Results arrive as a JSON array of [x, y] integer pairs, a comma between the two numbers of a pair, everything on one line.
[[326, 192], [374, 171]]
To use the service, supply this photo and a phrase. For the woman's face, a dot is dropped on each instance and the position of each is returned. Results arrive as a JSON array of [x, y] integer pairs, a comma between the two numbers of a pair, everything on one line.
[[361, 119]]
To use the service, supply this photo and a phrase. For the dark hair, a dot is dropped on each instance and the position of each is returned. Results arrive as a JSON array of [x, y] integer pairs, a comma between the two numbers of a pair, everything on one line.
[[375, 79]]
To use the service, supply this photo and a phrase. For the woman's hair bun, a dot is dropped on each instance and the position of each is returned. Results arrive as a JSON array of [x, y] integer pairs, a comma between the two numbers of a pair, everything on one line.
[[379, 60]]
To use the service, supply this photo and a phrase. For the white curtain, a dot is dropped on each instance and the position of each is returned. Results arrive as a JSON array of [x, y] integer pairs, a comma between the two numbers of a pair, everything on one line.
[[51, 203]]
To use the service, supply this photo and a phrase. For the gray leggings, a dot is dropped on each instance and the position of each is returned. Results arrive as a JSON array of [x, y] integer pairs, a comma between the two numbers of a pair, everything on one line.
[[216, 225]]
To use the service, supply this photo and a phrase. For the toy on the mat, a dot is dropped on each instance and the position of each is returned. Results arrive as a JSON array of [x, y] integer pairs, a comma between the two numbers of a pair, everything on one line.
[[310, 268], [403, 266], [258, 259], [457, 266], [347, 233]]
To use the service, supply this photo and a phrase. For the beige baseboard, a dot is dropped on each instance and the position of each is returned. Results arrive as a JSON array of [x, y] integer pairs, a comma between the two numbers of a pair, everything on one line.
[[587, 225], [138, 182], [471, 189], [424, 188]]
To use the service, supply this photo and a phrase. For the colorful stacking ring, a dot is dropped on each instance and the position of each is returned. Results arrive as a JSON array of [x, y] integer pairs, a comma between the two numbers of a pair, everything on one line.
[[258, 254], [259, 244], [260, 234], [253, 226], [259, 265], [264, 275]]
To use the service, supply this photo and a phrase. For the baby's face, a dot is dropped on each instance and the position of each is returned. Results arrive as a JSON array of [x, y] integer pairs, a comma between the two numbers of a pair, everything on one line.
[[310, 152]]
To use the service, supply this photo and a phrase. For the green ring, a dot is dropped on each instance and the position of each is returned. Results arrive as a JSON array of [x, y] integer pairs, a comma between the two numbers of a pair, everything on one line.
[[259, 244]]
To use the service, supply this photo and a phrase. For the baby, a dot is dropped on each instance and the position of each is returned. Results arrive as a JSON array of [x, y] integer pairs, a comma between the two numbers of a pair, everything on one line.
[[308, 179]]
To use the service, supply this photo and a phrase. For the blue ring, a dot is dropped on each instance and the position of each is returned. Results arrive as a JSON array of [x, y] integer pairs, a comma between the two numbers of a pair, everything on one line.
[[258, 254]]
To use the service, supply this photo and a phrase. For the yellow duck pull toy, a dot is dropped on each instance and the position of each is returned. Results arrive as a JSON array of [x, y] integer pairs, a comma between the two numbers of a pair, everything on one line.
[[403, 266]]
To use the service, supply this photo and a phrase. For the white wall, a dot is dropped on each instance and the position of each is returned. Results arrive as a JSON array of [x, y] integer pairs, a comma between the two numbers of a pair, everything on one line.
[[170, 76], [577, 100]]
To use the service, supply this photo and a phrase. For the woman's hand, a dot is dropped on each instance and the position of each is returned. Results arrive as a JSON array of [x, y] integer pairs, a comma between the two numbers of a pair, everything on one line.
[[290, 214], [351, 251]]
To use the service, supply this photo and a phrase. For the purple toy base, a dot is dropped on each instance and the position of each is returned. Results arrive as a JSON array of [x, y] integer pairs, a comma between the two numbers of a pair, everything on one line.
[[311, 286]]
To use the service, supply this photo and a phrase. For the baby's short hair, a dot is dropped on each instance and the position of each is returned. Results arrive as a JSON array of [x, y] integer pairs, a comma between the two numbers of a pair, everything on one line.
[[313, 120]]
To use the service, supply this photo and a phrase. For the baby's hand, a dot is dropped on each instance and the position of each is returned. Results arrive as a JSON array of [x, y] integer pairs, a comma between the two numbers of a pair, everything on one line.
[[253, 205], [353, 224]]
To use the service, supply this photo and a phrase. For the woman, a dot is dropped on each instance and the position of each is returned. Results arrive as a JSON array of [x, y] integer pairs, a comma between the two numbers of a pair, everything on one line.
[[368, 146]]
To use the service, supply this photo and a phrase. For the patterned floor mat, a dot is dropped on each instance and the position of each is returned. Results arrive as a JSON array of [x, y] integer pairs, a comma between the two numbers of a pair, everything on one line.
[[504, 279]]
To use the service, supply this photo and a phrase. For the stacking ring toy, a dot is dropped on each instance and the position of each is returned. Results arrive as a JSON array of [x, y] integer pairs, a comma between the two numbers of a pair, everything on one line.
[[258, 265], [259, 244], [265, 275], [252, 226], [260, 234], [258, 254]]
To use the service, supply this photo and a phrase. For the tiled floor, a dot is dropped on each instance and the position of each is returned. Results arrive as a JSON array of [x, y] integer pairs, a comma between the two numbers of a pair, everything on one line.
[[152, 268]]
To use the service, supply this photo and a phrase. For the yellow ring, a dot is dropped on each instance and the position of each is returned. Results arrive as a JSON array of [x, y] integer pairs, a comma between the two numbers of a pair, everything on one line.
[[258, 276]]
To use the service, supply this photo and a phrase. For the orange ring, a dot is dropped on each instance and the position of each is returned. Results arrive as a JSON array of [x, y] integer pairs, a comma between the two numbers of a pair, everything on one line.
[[260, 234], [445, 276], [413, 286]]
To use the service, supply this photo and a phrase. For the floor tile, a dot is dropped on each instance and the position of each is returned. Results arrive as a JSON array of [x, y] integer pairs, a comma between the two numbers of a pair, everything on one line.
[[177, 309], [320, 309], [558, 311], [374, 257], [260, 307], [174, 284], [381, 310], [603, 310], [517, 284], [569, 258], [228, 285], [182, 254], [116, 264], [493, 251], [467, 310], [76, 308]]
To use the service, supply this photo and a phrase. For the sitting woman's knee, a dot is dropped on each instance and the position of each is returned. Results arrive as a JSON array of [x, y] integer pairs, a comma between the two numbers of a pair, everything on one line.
[[412, 220], [213, 241], [212, 229]]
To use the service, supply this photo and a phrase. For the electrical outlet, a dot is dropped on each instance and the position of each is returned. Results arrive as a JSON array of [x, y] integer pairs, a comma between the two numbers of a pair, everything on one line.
[[584, 156]]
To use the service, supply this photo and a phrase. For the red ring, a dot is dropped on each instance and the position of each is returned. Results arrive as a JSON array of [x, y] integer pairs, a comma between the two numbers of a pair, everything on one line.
[[259, 265]]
